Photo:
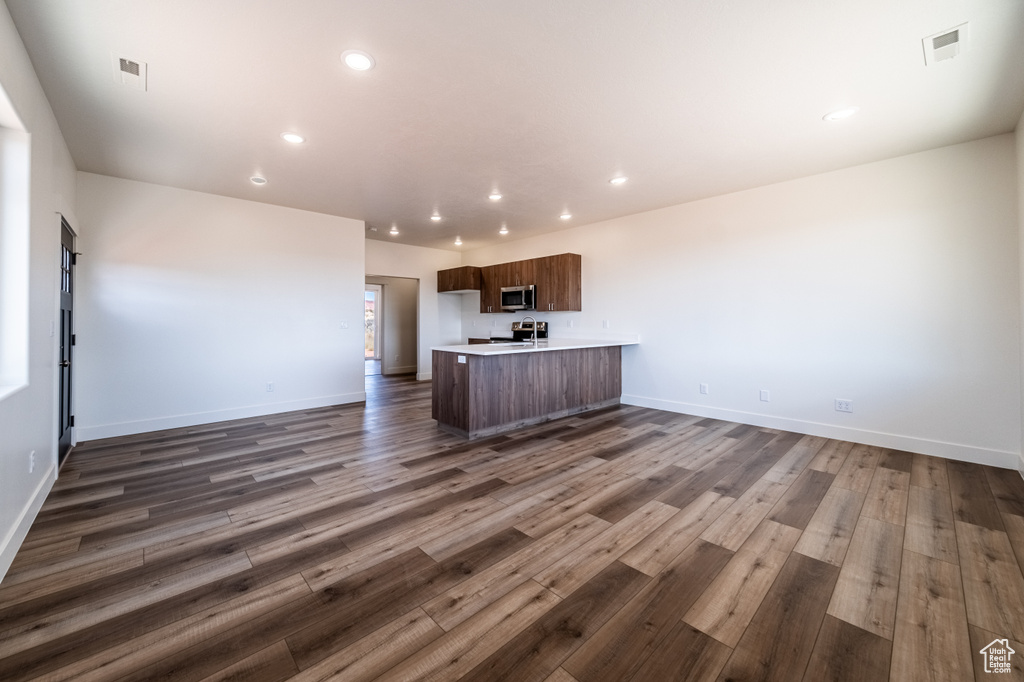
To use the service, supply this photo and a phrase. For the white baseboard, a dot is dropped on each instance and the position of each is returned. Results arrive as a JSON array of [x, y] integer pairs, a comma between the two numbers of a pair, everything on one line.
[[424, 376], [404, 369], [19, 529], [85, 433], [956, 451]]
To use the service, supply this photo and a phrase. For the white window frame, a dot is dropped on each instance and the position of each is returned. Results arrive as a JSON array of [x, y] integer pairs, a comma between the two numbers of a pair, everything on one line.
[[15, 154]]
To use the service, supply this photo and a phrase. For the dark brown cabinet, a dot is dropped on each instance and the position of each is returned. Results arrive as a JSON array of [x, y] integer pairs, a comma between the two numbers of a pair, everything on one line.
[[465, 278], [494, 277], [491, 278], [557, 278], [519, 273], [559, 282]]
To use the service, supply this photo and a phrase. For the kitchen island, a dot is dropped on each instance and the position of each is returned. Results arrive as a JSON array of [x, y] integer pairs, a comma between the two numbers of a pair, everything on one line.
[[481, 390]]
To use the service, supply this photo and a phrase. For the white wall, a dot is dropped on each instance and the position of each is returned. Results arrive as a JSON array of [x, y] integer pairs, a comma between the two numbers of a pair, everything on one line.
[[1019, 137], [893, 284], [28, 417], [398, 324], [189, 304], [439, 314]]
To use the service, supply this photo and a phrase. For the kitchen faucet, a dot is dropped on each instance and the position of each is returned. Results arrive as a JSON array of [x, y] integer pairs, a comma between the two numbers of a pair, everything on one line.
[[531, 317]]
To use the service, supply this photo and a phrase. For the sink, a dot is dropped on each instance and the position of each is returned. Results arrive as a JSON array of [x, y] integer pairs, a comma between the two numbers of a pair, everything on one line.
[[513, 343]]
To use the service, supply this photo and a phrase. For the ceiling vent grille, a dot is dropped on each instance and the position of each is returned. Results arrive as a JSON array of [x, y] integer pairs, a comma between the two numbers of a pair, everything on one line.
[[945, 45], [128, 72]]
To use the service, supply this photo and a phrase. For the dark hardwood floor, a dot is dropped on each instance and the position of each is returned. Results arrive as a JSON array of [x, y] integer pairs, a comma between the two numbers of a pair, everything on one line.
[[360, 543]]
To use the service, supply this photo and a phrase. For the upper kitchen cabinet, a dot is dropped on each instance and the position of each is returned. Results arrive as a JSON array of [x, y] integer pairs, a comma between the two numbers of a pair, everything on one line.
[[519, 273], [466, 278], [557, 279], [494, 277], [559, 282], [490, 288]]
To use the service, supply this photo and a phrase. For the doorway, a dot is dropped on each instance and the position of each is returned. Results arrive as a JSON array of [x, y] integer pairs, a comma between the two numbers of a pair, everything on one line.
[[396, 325], [66, 420], [373, 316]]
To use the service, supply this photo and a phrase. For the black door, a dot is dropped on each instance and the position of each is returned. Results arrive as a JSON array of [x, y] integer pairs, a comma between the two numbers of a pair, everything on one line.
[[67, 339]]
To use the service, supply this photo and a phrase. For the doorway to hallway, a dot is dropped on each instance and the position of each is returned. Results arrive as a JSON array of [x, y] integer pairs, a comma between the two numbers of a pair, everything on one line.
[[391, 339]]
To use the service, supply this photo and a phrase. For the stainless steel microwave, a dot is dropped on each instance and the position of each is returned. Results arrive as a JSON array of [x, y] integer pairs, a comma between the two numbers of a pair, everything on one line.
[[519, 298]]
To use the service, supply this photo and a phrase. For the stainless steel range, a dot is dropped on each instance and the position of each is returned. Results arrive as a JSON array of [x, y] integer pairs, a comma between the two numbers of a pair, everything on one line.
[[521, 331]]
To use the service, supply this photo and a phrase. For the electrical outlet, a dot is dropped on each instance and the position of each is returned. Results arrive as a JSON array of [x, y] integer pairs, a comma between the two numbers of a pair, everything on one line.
[[570, 324], [32, 461], [765, 396], [844, 405], [396, 358], [604, 323], [703, 389], [344, 325], [270, 387]]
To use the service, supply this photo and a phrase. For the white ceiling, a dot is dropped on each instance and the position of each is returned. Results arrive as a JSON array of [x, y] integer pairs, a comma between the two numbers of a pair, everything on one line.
[[543, 100]]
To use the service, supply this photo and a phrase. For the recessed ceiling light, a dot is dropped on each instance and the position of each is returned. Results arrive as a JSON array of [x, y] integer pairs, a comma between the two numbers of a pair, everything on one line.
[[458, 241], [840, 114], [357, 60], [258, 180], [503, 230], [494, 196], [294, 138], [394, 230], [435, 218], [618, 180], [565, 216]]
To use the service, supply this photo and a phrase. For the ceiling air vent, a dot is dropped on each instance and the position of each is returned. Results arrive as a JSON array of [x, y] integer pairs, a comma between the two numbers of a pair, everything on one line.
[[129, 72], [945, 45]]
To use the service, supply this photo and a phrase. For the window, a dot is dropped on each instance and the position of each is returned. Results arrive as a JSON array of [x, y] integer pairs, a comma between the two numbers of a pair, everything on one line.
[[14, 249]]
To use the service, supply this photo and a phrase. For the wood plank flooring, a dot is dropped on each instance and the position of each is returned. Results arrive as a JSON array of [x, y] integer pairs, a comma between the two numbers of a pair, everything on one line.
[[362, 543]]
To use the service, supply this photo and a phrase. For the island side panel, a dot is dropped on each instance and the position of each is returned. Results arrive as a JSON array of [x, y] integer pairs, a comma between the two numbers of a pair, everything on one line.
[[596, 376], [449, 389], [523, 388]]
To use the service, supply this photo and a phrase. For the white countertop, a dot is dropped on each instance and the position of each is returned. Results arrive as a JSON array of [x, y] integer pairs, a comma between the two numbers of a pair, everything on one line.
[[527, 347]]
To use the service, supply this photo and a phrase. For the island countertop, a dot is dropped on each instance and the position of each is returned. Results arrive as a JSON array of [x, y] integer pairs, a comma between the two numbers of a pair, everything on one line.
[[527, 346]]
